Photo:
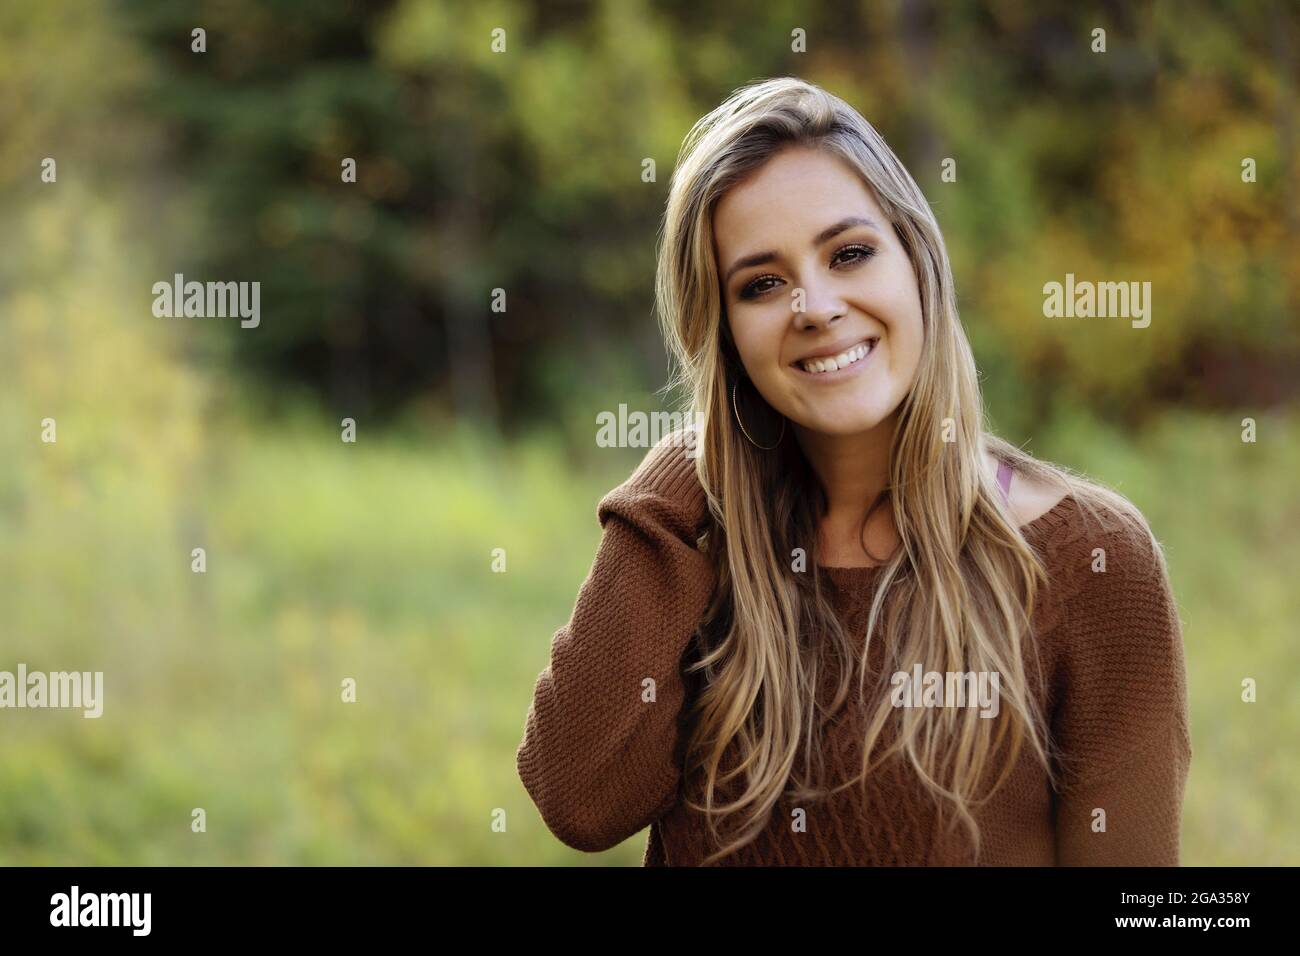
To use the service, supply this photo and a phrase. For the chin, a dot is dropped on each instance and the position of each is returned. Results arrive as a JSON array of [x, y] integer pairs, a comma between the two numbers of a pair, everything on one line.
[[842, 424]]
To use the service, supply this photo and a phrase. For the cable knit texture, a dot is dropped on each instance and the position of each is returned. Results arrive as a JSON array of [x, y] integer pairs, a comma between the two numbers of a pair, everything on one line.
[[602, 758]]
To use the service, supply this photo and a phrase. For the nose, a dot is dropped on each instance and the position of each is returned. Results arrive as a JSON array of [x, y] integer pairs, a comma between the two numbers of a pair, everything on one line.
[[822, 304]]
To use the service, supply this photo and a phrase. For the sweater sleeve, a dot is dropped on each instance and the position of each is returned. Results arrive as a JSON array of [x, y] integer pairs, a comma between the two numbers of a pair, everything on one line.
[[1121, 718], [599, 756]]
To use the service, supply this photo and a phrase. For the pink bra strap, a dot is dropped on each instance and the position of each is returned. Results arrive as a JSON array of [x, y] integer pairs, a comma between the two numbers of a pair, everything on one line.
[[1004, 479]]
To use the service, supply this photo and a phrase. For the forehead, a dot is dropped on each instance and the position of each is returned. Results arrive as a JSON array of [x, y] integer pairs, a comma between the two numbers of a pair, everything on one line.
[[797, 191]]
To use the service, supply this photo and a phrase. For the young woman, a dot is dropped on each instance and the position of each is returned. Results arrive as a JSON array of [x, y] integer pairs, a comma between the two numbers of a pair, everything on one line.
[[842, 623]]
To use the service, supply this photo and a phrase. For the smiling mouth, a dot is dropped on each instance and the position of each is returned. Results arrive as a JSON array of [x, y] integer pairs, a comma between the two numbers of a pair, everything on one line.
[[833, 363]]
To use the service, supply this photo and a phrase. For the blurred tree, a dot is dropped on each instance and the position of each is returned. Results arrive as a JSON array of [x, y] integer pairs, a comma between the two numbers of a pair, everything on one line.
[[519, 169]]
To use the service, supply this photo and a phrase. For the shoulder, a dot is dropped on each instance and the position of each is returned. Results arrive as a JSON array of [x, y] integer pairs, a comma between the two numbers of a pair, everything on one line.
[[1082, 518], [1104, 533], [1029, 498], [669, 467], [666, 482], [1096, 546], [1105, 567]]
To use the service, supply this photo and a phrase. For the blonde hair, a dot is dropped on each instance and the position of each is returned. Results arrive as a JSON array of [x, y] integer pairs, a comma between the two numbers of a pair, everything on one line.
[[961, 587]]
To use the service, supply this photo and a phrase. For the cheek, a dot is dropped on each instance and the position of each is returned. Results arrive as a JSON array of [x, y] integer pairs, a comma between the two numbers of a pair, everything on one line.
[[910, 341], [906, 328], [759, 346]]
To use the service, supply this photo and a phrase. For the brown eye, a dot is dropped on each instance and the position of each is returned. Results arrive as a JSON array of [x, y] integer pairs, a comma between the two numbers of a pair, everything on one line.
[[752, 289], [861, 252], [858, 252]]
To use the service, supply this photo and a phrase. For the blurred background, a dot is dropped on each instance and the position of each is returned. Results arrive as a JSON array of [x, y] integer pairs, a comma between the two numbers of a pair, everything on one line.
[[476, 429]]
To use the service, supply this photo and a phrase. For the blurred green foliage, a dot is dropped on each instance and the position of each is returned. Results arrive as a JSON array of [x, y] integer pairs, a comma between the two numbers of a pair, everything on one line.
[[522, 171]]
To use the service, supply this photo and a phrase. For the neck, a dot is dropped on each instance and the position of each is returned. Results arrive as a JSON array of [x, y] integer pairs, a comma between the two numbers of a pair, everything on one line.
[[853, 469]]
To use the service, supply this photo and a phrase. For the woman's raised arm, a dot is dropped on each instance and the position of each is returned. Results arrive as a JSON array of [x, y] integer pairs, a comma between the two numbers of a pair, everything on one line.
[[600, 755]]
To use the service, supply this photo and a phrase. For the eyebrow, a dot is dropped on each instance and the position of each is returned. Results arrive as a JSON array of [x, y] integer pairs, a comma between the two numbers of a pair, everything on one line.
[[759, 258]]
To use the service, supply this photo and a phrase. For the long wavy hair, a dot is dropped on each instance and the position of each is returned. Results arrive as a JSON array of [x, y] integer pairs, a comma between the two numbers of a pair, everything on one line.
[[957, 595]]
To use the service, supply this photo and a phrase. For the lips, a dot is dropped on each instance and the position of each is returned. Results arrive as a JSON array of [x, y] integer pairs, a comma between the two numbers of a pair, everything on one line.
[[833, 362]]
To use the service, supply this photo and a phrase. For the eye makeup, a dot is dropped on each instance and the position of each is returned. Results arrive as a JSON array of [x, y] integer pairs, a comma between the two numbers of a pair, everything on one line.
[[863, 251]]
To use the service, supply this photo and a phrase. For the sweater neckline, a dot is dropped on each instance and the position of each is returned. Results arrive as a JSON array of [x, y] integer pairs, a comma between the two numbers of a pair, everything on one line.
[[1036, 531]]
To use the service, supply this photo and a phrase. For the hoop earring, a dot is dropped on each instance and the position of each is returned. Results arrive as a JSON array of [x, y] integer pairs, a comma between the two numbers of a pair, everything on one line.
[[745, 431]]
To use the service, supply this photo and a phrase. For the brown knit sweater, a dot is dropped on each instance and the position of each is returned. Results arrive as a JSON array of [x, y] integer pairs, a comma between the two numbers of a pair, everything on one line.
[[601, 762]]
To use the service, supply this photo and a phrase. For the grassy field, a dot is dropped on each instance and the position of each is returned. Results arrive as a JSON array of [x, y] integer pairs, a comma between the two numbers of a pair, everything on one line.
[[372, 561]]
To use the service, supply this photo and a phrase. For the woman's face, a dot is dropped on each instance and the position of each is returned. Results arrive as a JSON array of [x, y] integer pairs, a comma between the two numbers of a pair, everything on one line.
[[820, 296]]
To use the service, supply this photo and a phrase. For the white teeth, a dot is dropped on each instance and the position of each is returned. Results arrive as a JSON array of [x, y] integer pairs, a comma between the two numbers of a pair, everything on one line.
[[847, 357]]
